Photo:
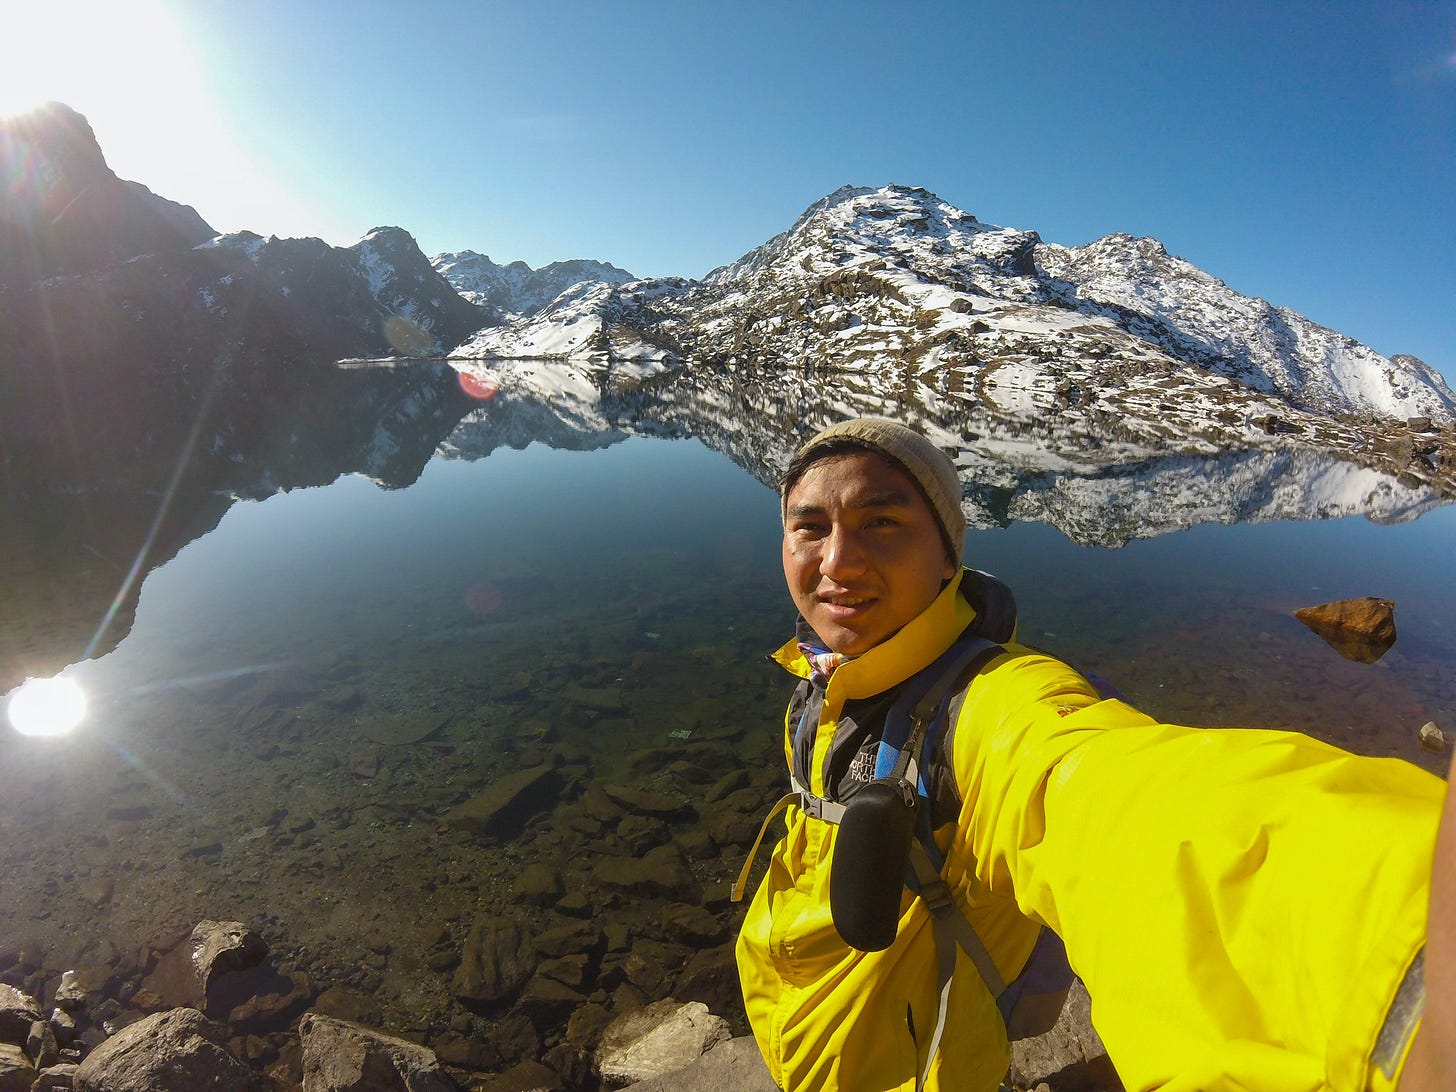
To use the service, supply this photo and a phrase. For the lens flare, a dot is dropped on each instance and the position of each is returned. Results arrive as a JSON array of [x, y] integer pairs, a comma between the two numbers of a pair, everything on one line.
[[484, 598], [408, 336], [47, 707], [480, 387]]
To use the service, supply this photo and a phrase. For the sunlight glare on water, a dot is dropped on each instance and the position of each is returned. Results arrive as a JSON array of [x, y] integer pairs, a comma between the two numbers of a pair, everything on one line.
[[47, 707]]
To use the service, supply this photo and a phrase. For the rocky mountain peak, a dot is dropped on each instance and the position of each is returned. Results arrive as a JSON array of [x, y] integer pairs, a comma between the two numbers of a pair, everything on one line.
[[516, 288], [66, 211], [895, 279], [902, 226]]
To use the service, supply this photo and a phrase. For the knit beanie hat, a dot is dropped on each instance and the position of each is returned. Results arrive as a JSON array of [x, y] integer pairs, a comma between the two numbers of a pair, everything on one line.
[[931, 468]]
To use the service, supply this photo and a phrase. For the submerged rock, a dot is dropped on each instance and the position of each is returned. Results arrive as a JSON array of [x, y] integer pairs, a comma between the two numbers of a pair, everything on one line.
[[1358, 629], [496, 962], [507, 804]]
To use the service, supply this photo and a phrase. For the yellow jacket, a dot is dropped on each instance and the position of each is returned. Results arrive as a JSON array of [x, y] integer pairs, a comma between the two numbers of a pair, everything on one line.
[[1241, 904]]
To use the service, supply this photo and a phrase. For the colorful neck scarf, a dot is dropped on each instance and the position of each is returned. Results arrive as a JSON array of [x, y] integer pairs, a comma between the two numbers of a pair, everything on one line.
[[822, 662]]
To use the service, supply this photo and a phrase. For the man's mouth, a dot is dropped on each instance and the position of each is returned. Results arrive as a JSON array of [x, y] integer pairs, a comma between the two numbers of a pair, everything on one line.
[[846, 600]]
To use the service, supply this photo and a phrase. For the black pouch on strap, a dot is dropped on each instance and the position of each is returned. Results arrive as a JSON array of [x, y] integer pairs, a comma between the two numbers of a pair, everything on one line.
[[866, 878]]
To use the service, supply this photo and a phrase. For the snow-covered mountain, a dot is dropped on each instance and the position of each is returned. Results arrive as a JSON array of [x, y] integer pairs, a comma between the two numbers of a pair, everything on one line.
[[894, 279], [517, 289], [383, 287]]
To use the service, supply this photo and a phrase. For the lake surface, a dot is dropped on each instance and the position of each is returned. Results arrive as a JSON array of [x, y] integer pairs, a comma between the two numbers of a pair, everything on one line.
[[308, 690]]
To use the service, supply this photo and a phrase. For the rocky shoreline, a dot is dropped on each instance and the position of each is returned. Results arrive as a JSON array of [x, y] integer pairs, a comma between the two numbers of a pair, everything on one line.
[[216, 1012]]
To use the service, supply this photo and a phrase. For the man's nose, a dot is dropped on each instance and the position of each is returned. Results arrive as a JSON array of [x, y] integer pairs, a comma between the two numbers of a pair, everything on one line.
[[843, 553]]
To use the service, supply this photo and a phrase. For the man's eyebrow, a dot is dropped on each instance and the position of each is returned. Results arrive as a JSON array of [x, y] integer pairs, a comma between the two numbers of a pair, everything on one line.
[[889, 498]]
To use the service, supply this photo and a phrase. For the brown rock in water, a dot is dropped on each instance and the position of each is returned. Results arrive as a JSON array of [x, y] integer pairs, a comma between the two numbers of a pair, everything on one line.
[[495, 963], [1358, 629], [506, 805], [185, 975]]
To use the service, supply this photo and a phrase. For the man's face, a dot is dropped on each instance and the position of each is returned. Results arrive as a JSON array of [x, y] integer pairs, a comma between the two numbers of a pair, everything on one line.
[[862, 550]]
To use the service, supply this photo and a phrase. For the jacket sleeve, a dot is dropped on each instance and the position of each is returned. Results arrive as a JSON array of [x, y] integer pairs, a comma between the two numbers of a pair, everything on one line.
[[1242, 904]]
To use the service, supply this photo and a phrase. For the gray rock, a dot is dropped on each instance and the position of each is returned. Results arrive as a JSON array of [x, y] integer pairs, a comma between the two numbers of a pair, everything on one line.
[[175, 1051], [734, 1065], [1070, 1057], [41, 1045], [63, 1024], [661, 1038], [55, 1077], [82, 987], [17, 1012], [496, 962], [342, 1057], [16, 1072]]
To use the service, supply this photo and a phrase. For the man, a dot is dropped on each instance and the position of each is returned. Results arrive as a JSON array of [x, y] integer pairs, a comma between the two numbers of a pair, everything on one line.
[[1247, 908]]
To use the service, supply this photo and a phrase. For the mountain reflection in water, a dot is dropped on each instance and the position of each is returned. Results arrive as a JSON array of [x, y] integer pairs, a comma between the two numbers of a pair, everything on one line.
[[316, 677]]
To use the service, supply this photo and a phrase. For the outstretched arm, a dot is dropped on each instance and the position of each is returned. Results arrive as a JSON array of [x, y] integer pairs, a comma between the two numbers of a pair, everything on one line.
[[1432, 1058]]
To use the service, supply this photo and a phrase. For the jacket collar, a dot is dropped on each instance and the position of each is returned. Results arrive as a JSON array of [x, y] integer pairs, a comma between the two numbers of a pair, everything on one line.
[[896, 658]]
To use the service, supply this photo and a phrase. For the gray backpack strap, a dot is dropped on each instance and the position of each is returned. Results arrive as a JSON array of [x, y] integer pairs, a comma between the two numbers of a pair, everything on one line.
[[783, 802], [817, 807], [952, 930]]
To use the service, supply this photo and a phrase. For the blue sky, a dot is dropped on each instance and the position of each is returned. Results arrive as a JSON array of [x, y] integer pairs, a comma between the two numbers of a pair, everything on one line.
[[1305, 153]]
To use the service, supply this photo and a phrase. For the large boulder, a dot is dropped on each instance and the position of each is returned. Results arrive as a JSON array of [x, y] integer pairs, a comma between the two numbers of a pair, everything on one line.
[[175, 1051], [1358, 629], [186, 975], [659, 1039], [342, 1057], [17, 1012], [16, 1072], [734, 1065]]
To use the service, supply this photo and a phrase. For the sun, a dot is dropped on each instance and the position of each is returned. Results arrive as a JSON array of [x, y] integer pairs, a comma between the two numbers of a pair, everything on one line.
[[47, 707], [81, 51]]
